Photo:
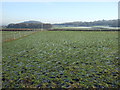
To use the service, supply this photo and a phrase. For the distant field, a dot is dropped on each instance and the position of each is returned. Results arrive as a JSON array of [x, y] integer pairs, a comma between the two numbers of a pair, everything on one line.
[[21, 29], [87, 28], [71, 27], [61, 59]]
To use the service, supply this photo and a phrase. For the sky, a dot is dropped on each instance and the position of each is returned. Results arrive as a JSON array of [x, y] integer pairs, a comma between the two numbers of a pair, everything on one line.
[[58, 12]]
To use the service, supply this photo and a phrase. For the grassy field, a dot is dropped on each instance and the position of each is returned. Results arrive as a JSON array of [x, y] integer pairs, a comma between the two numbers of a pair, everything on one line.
[[11, 35], [61, 59]]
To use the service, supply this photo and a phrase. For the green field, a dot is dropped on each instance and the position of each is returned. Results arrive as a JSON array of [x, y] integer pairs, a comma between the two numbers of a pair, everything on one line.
[[11, 35], [65, 59]]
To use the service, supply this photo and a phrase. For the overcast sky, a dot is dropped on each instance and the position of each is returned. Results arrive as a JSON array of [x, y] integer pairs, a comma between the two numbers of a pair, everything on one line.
[[58, 12]]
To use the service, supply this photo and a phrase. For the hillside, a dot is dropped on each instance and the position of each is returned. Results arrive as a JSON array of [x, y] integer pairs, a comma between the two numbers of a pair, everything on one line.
[[30, 24], [38, 24], [111, 23]]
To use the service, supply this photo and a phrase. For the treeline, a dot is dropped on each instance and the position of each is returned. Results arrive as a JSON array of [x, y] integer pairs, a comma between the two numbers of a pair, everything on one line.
[[111, 23], [30, 25]]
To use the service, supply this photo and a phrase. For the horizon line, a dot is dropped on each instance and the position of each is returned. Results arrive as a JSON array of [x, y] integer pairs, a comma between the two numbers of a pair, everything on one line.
[[60, 22]]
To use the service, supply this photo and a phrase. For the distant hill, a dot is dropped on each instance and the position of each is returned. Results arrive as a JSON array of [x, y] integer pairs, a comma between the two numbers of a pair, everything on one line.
[[31, 22], [111, 23], [38, 24]]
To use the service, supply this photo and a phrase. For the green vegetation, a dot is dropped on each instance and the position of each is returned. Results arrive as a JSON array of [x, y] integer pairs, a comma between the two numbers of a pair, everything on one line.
[[30, 25], [11, 35], [61, 59], [111, 23]]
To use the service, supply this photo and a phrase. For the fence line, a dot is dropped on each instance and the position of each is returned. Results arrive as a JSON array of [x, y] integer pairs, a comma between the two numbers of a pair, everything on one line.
[[9, 35]]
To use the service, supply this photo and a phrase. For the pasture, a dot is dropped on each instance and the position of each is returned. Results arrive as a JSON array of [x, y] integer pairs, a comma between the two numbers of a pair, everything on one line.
[[61, 59]]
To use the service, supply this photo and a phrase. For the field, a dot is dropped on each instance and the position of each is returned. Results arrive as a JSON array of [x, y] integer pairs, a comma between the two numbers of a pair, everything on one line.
[[92, 28], [61, 59], [12, 35]]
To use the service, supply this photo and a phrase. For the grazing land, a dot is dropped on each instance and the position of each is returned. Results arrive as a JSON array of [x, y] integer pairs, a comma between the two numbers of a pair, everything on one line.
[[61, 59]]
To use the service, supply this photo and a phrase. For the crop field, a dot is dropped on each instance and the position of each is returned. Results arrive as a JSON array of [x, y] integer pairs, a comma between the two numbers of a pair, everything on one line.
[[61, 59], [12, 35]]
